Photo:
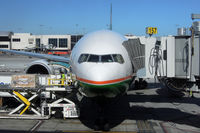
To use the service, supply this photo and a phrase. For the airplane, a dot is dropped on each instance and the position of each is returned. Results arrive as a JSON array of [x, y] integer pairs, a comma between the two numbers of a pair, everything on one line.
[[100, 62]]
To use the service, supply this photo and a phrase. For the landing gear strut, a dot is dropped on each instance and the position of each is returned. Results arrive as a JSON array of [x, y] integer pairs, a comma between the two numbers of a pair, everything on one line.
[[101, 123]]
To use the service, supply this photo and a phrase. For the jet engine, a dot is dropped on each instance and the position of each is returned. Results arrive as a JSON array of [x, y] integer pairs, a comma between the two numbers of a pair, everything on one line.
[[47, 67], [39, 67]]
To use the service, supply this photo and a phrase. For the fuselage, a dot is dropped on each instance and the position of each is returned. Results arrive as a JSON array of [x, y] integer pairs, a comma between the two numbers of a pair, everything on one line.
[[102, 64]]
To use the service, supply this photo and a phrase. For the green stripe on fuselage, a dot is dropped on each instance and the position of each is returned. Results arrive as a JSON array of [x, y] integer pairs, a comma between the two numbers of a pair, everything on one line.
[[105, 90]]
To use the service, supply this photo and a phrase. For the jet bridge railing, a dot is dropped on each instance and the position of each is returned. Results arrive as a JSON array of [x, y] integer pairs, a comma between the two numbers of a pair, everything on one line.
[[61, 80]]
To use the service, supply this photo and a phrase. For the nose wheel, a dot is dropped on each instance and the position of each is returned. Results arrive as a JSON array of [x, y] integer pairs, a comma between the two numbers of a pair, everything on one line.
[[101, 124]]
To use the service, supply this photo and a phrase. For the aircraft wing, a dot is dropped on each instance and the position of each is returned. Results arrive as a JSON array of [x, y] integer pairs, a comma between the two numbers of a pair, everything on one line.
[[37, 55]]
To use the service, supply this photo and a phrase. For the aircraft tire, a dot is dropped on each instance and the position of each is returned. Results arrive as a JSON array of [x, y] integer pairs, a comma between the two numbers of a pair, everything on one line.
[[175, 87]]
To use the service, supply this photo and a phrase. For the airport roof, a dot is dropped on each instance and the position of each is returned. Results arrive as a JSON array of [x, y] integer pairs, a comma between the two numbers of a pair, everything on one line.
[[5, 33]]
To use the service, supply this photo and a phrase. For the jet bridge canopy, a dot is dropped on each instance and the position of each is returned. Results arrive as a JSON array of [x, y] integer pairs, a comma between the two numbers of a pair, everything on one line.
[[136, 52]]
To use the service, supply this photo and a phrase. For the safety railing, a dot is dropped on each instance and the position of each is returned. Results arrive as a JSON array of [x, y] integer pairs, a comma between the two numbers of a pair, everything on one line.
[[63, 80]]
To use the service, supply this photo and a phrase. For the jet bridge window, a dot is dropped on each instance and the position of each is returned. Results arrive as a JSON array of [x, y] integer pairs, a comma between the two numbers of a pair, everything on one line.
[[83, 58], [118, 58]]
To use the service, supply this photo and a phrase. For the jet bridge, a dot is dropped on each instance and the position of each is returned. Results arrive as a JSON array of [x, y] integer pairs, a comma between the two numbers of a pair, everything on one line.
[[173, 60]]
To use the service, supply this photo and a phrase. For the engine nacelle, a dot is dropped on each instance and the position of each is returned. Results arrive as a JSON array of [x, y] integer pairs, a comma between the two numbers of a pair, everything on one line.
[[39, 67]]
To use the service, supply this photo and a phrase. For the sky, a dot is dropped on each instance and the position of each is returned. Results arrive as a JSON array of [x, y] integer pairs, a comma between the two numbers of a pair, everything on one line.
[[83, 16]]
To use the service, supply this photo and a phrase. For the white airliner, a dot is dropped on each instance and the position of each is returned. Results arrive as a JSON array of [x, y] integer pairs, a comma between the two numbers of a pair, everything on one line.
[[100, 62]]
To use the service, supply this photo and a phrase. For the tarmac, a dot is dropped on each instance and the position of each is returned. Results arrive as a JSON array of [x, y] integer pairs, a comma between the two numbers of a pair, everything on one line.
[[10, 64], [149, 110]]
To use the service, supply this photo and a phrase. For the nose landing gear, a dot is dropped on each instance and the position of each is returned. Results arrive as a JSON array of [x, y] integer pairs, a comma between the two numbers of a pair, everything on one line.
[[101, 124]]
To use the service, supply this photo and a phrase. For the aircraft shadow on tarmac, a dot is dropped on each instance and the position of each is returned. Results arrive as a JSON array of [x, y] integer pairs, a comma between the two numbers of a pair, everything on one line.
[[119, 110]]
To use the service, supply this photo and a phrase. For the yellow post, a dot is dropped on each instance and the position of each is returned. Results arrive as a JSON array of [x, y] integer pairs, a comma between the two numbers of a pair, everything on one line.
[[49, 81], [63, 79]]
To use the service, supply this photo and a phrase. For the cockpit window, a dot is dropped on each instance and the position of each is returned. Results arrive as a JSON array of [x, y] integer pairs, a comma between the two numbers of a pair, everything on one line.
[[118, 58], [106, 58], [101, 58], [83, 58], [93, 58]]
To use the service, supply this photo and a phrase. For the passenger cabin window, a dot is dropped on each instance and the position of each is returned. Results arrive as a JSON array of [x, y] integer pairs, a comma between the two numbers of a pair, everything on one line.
[[93, 58], [83, 58]]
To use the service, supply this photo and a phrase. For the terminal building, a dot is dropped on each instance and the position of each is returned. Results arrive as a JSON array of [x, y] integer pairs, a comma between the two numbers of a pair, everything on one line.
[[54, 42], [28, 41], [22, 41], [6, 40]]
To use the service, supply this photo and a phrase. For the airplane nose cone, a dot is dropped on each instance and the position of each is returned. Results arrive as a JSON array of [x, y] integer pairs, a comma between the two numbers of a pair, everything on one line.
[[105, 72], [98, 73], [103, 80]]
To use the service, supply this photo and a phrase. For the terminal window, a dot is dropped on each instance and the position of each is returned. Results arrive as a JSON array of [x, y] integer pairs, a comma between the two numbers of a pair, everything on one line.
[[53, 41], [3, 46], [37, 42], [74, 40], [63, 42], [3, 39], [16, 39], [30, 40]]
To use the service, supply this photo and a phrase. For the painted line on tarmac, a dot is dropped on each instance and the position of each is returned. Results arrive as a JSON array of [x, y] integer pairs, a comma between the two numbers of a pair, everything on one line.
[[144, 126], [98, 132], [36, 126]]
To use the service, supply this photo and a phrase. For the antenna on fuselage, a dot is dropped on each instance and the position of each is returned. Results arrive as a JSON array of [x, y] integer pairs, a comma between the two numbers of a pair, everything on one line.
[[111, 16]]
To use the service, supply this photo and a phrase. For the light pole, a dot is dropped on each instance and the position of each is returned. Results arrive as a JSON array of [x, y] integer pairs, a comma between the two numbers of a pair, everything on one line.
[[76, 31]]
